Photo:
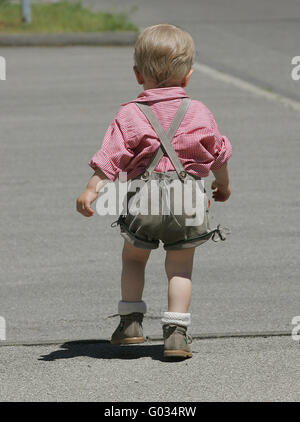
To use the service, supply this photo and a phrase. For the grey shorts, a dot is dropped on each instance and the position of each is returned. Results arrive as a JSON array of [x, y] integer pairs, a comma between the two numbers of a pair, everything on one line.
[[177, 230]]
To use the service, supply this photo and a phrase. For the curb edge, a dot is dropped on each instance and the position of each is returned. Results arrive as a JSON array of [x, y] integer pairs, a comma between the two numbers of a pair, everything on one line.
[[117, 38]]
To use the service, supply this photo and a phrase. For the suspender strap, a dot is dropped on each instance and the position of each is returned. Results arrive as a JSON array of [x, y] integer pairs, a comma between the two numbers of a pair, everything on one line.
[[166, 138]]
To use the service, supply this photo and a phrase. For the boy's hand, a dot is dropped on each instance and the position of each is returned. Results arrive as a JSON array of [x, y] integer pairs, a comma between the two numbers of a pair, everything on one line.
[[220, 192], [84, 201]]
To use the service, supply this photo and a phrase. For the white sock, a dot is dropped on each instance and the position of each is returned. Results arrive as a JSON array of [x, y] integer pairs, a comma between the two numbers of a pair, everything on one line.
[[176, 318], [125, 308]]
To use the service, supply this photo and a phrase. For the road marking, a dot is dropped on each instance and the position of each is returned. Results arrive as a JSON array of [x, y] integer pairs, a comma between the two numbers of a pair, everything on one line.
[[247, 86]]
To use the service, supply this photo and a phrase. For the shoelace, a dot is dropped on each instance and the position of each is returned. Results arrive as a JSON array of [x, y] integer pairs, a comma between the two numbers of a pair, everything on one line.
[[116, 315], [190, 339], [112, 316]]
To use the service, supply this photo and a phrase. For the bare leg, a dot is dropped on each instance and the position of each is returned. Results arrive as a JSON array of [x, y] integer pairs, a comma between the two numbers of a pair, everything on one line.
[[179, 265], [133, 272]]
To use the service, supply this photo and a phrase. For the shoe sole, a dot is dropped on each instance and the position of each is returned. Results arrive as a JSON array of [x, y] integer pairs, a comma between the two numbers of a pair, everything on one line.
[[177, 354], [130, 340]]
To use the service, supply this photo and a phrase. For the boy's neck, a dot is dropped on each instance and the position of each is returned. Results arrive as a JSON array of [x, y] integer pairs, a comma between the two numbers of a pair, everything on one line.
[[153, 86]]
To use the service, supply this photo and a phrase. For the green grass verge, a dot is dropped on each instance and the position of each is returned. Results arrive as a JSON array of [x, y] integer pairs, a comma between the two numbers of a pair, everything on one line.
[[61, 17]]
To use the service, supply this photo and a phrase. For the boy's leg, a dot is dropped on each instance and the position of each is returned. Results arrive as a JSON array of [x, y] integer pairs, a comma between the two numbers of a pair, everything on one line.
[[179, 265], [134, 261], [131, 308]]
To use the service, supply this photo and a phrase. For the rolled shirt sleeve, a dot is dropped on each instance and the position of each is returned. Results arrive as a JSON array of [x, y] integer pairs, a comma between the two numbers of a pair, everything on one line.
[[221, 149], [222, 154], [113, 156]]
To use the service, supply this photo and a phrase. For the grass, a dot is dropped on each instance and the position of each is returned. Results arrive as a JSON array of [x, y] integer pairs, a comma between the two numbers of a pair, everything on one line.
[[61, 17]]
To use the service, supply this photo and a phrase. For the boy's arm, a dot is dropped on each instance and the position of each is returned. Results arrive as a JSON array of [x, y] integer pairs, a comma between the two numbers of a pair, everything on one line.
[[220, 186], [90, 194]]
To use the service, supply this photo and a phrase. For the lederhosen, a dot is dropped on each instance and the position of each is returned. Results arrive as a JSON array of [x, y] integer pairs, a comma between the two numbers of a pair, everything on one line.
[[144, 228]]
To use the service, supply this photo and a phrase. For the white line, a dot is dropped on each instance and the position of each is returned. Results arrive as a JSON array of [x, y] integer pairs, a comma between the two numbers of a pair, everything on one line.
[[246, 86]]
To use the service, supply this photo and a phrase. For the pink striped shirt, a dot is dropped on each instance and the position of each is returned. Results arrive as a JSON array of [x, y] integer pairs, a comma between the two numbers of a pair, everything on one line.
[[130, 141]]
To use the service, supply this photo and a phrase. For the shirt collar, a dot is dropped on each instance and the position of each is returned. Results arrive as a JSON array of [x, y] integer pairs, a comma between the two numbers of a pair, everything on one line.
[[160, 94]]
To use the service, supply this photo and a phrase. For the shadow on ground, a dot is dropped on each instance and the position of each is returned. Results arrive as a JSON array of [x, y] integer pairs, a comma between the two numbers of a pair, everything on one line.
[[103, 349]]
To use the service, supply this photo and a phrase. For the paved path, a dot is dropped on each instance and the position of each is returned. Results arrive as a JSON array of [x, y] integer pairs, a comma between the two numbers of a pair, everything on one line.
[[60, 272], [220, 370], [254, 40]]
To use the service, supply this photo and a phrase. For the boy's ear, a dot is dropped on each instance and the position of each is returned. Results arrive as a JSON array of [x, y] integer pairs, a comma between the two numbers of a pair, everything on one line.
[[186, 78], [139, 77]]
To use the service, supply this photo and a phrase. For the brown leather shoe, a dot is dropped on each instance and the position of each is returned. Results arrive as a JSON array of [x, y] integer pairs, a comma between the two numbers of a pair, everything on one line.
[[129, 330], [177, 343]]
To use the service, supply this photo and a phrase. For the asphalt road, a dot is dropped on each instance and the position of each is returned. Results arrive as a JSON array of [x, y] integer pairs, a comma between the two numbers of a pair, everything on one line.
[[59, 272], [220, 370], [254, 40]]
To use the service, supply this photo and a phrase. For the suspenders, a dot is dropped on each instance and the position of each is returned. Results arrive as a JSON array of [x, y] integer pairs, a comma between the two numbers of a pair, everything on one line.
[[166, 147], [165, 138]]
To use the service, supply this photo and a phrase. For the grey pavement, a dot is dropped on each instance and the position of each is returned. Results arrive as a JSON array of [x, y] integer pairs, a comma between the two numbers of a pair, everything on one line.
[[254, 40], [59, 272], [220, 370]]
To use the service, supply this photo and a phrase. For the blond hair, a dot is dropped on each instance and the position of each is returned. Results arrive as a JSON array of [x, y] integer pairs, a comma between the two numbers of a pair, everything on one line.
[[164, 53]]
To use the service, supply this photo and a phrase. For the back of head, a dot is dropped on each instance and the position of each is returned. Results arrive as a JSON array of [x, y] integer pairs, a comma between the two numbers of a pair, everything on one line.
[[164, 53]]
